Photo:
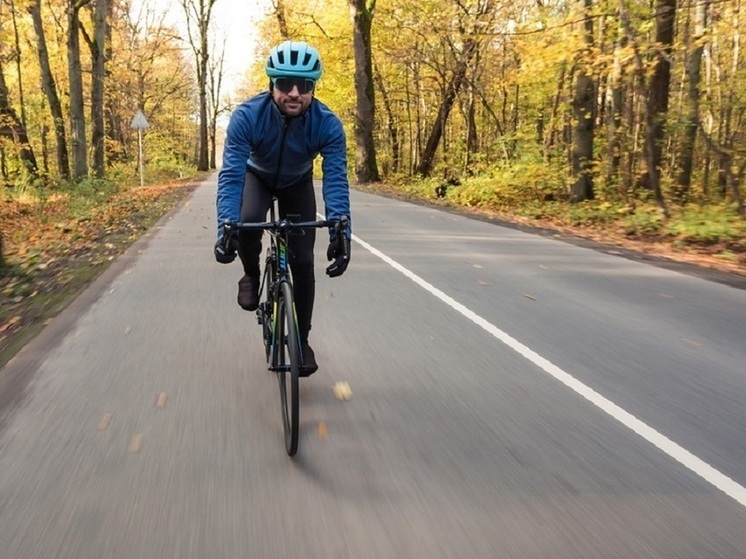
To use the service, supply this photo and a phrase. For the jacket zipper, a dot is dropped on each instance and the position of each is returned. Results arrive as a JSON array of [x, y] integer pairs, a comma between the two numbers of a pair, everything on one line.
[[285, 126]]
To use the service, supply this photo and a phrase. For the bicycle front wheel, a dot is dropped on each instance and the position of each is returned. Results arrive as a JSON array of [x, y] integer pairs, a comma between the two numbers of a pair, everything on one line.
[[287, 361]]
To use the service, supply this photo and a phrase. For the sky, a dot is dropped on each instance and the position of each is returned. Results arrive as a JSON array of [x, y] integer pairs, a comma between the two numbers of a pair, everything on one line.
[[233, 19]]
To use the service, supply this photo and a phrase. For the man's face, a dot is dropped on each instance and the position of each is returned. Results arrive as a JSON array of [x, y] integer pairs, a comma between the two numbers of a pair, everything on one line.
[[287, 93]]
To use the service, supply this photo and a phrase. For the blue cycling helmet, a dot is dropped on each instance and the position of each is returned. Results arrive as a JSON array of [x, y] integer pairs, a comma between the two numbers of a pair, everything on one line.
[[293, 59]]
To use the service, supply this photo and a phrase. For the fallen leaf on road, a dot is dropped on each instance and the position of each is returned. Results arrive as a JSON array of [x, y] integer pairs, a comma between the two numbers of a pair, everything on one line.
[[342, 391]]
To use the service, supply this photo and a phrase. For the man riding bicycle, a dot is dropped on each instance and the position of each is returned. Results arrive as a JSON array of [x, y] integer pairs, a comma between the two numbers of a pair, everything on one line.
[[271, 143]]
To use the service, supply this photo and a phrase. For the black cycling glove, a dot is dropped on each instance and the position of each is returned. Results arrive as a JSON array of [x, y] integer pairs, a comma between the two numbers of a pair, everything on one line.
[[339, 251], [225, 253]]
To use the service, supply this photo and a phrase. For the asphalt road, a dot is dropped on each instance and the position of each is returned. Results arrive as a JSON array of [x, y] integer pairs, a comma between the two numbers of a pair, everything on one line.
[[513, 396]]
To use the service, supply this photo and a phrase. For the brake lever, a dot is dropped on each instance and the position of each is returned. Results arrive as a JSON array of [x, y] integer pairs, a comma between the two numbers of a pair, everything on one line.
[[227, 235]]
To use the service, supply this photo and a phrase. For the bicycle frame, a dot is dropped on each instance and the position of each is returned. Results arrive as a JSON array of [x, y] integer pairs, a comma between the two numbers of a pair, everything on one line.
[[276, 312], [276, 272]]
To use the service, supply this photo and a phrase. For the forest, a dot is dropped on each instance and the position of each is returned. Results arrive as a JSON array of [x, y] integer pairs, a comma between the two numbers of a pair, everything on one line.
[[605, 111]]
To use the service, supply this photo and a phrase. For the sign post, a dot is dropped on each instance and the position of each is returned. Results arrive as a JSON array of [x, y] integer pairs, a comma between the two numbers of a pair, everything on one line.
[[140, 123]]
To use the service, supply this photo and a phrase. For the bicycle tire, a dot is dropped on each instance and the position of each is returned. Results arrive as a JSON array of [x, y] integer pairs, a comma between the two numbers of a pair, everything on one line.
[[287, 360]]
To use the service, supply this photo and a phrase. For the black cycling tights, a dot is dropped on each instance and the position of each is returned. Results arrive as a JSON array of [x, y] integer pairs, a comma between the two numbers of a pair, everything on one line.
[[298, 199]]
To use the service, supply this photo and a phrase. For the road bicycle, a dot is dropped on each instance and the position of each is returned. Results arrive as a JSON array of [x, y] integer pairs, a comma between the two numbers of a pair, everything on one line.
[[276, 312]]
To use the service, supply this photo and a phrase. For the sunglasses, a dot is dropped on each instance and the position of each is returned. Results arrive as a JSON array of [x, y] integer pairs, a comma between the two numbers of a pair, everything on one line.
[[286, 85]]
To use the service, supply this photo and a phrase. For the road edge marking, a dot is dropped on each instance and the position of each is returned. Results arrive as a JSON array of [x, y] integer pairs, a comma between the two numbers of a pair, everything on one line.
[[695, 464]]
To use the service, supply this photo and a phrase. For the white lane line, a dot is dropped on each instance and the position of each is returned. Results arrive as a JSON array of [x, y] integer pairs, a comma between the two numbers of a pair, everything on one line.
[[678, 453]]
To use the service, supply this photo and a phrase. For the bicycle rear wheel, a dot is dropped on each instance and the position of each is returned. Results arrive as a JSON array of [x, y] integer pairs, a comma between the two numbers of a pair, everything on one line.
[[287, 361]]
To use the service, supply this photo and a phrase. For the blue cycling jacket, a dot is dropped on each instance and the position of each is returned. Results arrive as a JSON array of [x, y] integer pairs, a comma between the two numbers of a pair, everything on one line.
[[281, 150]]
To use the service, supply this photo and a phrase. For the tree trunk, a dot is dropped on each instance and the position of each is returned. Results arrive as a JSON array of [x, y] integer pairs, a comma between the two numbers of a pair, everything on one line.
[[657, 101], [472, 136], [366, 168], [77, 108], [729, 114], [198, 16], [515, 119], [216, 85], [615, 113], [584, 111], [19, 64], [733, 173], [98, 77], [582, 145], [393, 129], [282, 23], [50, 91], [203, 164], [551, 134], [693, 65], [416, 151], [425, 166]]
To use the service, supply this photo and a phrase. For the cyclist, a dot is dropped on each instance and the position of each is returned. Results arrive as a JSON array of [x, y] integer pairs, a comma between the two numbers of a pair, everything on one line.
[[271, 143]]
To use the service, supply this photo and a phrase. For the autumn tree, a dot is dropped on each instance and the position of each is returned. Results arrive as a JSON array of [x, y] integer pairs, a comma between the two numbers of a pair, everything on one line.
[[614, 98], [214, 88], [584, 113], [366, 168], [392, 122], [151, 74], [724, 128], [198, 14], [97, 44], [657, 98], [87, 98], [691, 112], [78, 139], [11, 125], [463, 46], [535, 91], [49, 87], [17, 59], [282, 23]]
